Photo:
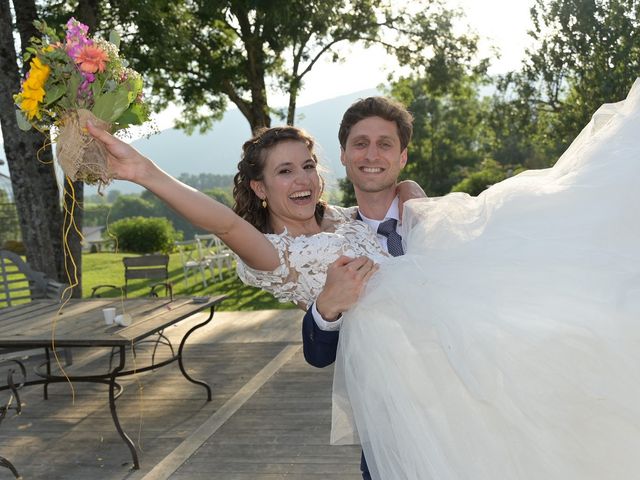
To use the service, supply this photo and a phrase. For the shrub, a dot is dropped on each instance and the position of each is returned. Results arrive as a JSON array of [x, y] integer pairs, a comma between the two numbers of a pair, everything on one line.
[[144, 235]]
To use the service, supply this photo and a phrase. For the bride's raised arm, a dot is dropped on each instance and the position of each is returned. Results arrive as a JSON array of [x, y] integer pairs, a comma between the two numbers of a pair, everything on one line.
[[126, 163]]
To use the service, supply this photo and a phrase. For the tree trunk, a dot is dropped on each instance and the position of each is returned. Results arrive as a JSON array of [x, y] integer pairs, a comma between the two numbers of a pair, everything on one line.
[[88, 12], [30, 165], [293, 96]]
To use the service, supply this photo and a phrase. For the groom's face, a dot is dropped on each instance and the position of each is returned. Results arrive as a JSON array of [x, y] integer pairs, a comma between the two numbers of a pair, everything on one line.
[[372, 156]]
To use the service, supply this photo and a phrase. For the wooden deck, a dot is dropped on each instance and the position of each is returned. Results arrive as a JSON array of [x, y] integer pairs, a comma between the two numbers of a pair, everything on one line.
[[269, 418]]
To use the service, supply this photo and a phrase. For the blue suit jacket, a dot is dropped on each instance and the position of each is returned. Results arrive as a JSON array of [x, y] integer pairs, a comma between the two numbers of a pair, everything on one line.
[[319, 346]]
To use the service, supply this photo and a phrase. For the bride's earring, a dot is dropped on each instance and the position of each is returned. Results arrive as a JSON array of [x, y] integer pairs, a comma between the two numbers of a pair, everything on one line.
[[264, 203]]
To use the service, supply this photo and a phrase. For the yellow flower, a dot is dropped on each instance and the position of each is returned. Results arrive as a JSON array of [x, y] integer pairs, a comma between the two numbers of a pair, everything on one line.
[[32, 94], [32, 90], [30, 107], [39, 71]]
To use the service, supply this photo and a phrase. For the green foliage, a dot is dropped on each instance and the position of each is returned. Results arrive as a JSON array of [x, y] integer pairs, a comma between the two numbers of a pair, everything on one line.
[[96, 214], [9, 223], [206, 53], [221, 195], [348, 193], [112, 195], [207, 181], [450, 129], [132, 206], [161, 209], [587, 54], [144, 235], [483, 176]]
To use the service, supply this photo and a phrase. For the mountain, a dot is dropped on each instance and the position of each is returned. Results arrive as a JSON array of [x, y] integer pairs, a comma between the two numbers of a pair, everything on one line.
[[218, 151]]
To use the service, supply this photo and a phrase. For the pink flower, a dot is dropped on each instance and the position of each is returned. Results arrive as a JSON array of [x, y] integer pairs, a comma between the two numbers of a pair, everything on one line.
[[91, 59], [76, 37]]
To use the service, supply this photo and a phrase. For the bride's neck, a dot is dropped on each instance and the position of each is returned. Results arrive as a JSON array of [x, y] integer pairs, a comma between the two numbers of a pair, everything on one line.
[[295, 228]]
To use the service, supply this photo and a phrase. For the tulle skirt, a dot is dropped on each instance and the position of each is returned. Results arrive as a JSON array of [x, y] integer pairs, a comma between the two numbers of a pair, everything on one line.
[[506, 343]]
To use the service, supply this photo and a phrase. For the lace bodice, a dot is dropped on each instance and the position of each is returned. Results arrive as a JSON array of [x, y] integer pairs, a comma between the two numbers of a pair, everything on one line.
[[304, 259]]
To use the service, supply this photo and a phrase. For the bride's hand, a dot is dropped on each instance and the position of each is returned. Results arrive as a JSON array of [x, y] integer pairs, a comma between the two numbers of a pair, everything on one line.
[[408, 190], [124, 161]]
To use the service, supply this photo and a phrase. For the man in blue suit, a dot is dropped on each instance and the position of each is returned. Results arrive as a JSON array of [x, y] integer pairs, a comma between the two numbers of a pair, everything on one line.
[[374, 135]]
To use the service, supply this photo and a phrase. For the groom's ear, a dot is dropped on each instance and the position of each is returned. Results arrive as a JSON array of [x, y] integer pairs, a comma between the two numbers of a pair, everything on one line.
[[258, 188], [404, 156]]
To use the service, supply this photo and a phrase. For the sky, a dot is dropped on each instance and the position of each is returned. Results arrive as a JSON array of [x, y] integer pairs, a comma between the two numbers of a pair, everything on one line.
[[501, 23]]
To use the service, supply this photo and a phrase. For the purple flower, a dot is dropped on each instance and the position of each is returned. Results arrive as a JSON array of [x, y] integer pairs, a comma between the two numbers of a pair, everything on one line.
[[76, 37]]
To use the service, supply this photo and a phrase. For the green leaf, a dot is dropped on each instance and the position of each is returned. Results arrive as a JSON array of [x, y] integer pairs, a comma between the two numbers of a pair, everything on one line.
[[110, 106], [114, 37], [74, 84], [136, 114], [54, 93], [23, 123]]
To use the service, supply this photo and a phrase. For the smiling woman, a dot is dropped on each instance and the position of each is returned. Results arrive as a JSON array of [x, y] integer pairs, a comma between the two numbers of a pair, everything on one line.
[[278, 182]]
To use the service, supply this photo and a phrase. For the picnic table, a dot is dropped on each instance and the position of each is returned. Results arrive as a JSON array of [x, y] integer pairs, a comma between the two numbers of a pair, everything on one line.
[[80, 324]]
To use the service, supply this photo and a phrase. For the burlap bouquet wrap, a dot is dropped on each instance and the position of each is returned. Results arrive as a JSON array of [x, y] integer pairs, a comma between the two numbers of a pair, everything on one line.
[[79, 154]]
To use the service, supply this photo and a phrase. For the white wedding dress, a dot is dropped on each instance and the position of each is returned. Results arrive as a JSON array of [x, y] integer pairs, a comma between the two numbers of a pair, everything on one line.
[[505, 344]]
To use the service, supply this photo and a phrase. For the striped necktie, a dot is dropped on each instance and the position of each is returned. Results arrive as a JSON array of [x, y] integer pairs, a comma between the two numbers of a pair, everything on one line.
[[394, 240]]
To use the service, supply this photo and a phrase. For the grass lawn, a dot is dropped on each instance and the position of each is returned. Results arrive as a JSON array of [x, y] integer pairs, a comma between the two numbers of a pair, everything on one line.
[[107, 269]]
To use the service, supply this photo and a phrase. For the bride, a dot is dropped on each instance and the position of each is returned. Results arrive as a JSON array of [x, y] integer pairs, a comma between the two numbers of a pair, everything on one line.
[[503, 344]]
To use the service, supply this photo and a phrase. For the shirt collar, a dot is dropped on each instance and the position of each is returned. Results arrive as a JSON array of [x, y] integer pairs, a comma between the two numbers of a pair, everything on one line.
[[393, 212]]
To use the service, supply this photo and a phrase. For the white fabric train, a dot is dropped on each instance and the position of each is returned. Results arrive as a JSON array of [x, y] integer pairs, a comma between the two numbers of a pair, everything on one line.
[[506, 343]]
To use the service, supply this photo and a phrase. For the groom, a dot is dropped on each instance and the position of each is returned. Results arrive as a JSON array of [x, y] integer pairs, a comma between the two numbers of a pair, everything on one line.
[[374, 135]]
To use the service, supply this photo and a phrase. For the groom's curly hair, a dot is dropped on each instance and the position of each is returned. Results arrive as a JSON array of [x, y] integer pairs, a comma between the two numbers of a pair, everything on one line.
[[377, 107], [251, 167]]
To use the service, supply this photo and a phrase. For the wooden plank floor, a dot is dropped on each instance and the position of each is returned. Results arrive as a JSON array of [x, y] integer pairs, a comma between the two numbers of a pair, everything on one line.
[[276, 426]]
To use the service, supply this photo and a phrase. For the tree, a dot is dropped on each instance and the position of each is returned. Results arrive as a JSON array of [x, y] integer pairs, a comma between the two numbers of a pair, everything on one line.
[[205, 181], [587, 54], [131, 206], [30, 162], [205, 53], [221, 195], [450, 130]]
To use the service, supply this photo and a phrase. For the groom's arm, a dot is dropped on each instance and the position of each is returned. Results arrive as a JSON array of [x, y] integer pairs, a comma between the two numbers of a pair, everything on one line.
[[319, 346], [346, 278]]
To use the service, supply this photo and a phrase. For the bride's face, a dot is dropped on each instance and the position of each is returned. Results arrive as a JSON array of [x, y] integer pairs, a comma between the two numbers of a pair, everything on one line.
[[291, 183], [372, 156]]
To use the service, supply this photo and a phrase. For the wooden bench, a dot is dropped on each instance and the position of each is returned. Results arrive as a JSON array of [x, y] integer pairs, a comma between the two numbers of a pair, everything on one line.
[[19, 283]]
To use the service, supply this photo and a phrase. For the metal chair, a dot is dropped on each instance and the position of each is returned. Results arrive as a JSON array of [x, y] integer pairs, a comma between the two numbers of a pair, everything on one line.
[[149, 267], [214, 252], [4, 409], [190, 257]]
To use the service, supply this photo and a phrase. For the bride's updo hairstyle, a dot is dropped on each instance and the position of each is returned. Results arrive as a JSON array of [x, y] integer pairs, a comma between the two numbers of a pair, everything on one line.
[[251, 167], [382, 107]]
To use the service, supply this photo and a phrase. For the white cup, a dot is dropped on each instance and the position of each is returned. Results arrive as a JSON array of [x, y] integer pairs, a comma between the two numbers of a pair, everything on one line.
[[109, 315], [123, 320]]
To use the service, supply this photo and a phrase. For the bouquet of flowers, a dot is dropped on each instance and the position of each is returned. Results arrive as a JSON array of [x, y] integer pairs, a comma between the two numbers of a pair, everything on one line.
[[72, 80]]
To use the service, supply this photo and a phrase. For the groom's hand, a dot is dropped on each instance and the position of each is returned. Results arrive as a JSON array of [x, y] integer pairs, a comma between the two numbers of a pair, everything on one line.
[[346, 277]]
